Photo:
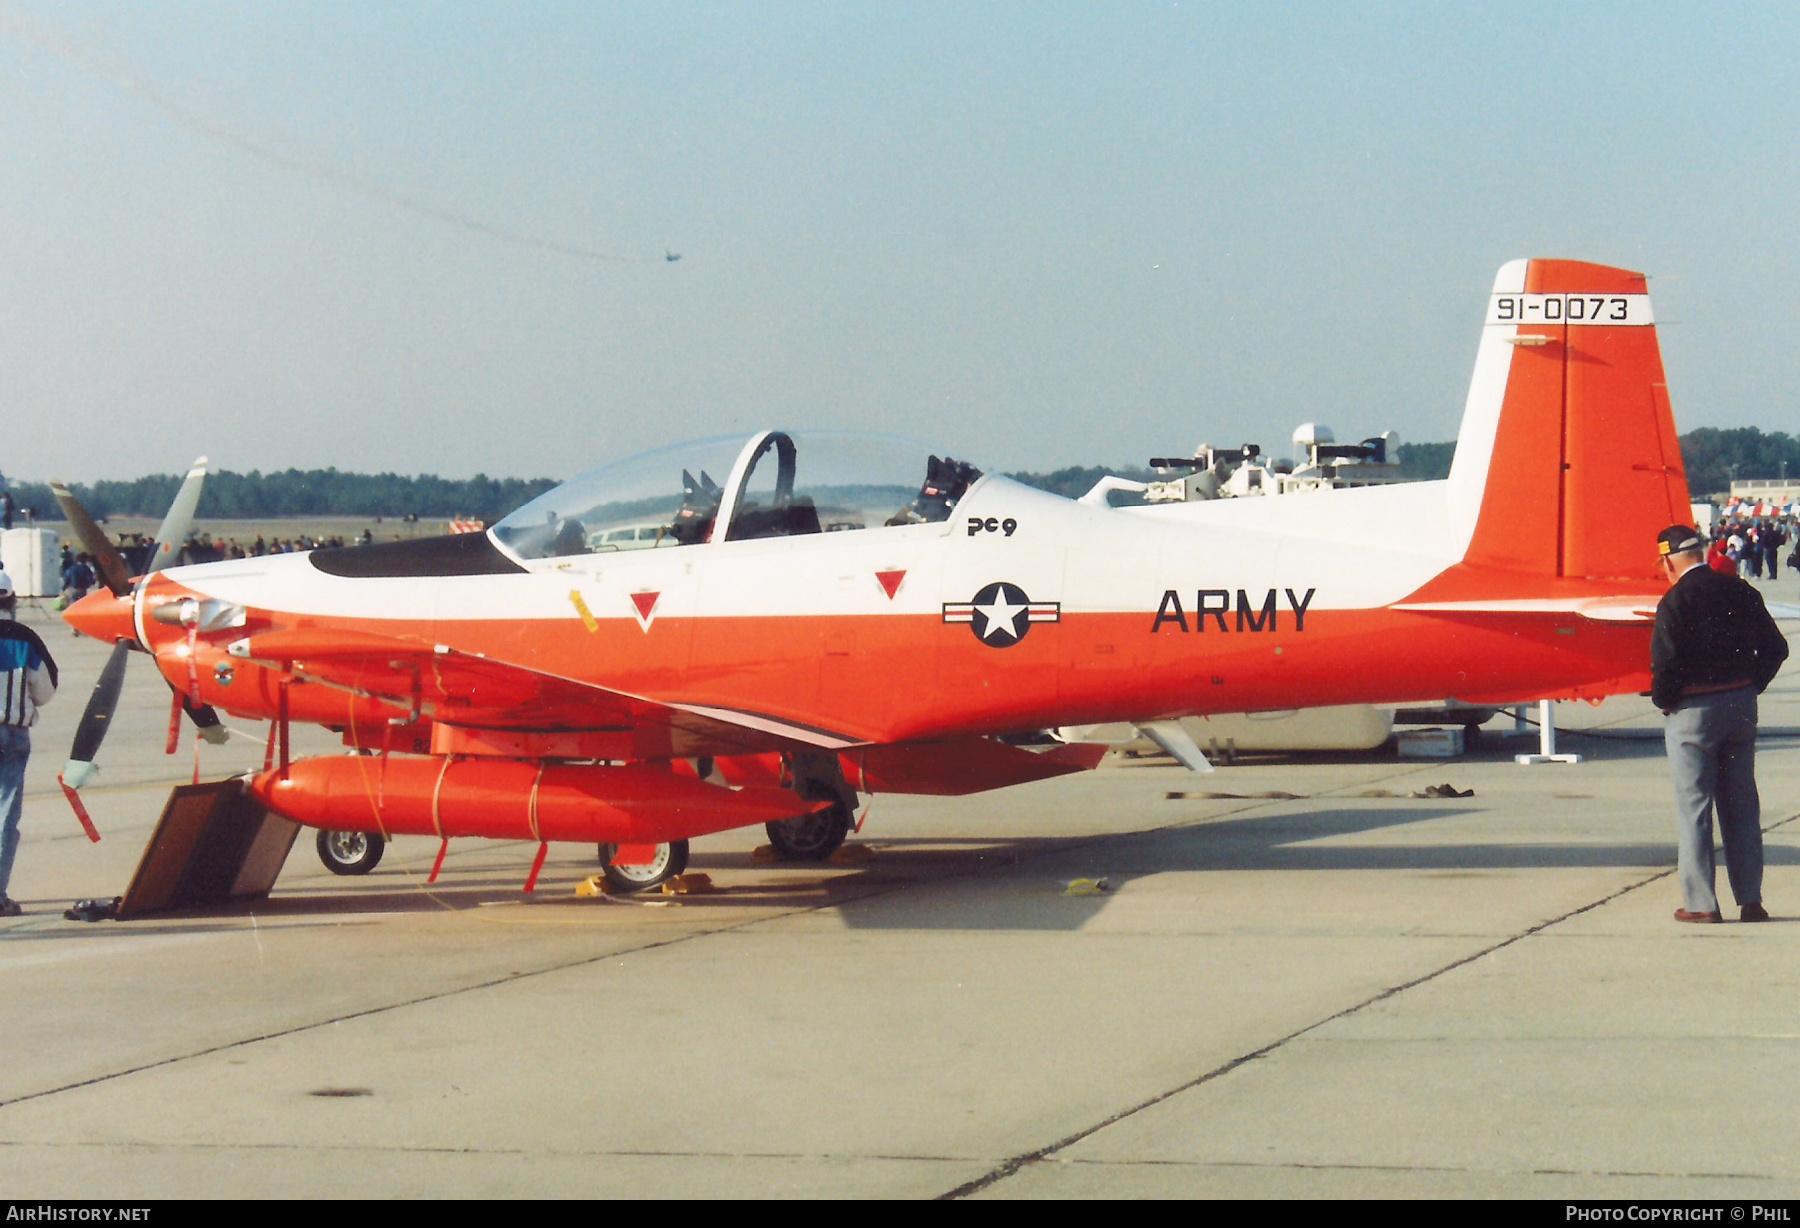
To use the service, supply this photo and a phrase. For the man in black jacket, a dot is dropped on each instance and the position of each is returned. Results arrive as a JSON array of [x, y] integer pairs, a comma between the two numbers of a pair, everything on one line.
[[1714, 650]]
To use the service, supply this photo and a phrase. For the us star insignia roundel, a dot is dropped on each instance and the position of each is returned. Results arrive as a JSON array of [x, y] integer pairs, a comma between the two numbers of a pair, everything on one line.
[[1001, 614]]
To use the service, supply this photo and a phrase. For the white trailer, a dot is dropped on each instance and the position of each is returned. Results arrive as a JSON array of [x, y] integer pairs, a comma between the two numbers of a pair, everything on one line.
[[32, 557]]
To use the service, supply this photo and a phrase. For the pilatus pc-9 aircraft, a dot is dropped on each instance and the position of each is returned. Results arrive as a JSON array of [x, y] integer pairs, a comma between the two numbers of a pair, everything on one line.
[[758, 630]]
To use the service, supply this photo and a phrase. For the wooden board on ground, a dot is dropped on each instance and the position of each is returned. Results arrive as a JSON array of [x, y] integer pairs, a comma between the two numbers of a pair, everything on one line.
[[213, 843]]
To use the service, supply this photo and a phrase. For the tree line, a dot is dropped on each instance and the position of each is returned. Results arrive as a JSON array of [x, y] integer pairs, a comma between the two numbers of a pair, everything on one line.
[[1712, 456], [297, 492]]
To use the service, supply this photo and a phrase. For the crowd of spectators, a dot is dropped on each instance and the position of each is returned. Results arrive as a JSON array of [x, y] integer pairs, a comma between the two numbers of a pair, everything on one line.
[[1751, 549], [81, 571], [203, 548]]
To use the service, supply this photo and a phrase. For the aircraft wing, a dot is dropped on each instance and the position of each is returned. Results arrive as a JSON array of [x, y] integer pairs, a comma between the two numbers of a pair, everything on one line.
[[476, 692]]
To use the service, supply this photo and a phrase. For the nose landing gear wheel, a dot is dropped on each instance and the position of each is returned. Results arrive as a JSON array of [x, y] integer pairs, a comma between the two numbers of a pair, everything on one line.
[[810, 837], [350, 852], [670, 860]]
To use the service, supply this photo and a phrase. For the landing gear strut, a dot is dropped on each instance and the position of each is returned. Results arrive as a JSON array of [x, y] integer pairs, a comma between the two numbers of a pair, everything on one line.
[[350, 852], [810, 837], [817, 777], [670, 860]]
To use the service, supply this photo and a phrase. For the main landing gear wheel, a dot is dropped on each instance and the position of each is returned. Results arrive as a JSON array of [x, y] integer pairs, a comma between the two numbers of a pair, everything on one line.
[[350, 852], [810, 837], [670, 860]]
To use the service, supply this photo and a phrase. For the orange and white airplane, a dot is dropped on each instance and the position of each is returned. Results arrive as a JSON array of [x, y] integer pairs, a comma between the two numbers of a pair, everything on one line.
[[649, 653]]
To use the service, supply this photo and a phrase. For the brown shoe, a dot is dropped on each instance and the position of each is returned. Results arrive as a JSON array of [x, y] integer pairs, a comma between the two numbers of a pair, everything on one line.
[[1708, 918], [1754, 912]]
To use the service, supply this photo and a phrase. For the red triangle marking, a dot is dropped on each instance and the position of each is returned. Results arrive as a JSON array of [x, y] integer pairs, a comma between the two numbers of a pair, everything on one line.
[[890, 580], [645, 602]]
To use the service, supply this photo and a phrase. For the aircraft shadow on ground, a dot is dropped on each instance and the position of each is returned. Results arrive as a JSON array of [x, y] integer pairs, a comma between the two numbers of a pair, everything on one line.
[[1032, 896], [397, 898], [504, 888], [988, 883], [51, 927]]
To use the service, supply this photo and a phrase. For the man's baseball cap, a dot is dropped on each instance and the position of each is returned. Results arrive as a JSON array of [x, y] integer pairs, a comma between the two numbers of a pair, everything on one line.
[[1677, 539]]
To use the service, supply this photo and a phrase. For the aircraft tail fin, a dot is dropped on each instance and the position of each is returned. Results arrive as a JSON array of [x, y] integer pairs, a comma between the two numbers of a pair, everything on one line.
[[1567, 463]]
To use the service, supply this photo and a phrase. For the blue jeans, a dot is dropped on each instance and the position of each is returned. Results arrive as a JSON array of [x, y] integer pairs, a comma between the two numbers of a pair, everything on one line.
[[15, 749]]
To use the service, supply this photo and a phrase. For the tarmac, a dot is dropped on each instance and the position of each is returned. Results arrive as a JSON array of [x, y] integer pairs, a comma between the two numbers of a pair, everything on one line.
[[1300, 981]]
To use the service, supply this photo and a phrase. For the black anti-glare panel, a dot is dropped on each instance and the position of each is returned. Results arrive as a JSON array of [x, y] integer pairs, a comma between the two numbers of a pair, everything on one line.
[[459, 554]]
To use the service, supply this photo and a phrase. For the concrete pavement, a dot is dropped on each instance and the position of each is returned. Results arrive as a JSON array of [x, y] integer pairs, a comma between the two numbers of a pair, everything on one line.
[[1339, 992]]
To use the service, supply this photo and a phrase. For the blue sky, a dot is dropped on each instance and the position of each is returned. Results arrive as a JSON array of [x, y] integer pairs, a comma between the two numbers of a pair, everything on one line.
[[1034, 235]]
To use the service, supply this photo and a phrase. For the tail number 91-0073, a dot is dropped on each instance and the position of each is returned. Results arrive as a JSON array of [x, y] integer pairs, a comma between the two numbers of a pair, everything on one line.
[[1570, 309], [992, 524]]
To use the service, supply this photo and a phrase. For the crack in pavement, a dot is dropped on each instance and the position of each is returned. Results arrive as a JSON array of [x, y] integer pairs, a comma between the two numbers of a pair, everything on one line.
[[1326, 1167], [629, 1153], [582, 1153], [418, 1000], [1055, 848], [1019, 1162]]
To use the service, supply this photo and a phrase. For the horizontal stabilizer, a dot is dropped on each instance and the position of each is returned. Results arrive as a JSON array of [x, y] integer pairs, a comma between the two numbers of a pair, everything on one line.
[[1628, 609], [1624, 609]]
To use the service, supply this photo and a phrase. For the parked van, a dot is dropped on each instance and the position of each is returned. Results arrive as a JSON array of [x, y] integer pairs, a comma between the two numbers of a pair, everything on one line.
[[631, 537]]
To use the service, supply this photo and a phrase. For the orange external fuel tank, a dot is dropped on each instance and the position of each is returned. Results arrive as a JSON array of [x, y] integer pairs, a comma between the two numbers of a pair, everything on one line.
[[514, 799]]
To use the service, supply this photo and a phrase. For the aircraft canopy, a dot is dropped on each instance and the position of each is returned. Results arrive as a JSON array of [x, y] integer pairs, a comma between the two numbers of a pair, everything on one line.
[[773, 484]]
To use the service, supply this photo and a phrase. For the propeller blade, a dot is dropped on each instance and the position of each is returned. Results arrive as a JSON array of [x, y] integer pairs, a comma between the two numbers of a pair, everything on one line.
[[176, 526], [179, 522], [97, 718], [113, 572]]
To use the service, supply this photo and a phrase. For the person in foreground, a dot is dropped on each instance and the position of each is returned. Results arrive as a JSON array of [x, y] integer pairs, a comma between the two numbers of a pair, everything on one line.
[[1714, 650], [27, 680]]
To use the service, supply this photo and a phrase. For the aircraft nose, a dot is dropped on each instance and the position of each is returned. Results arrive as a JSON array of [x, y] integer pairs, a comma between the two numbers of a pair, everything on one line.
[[102, 616]]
